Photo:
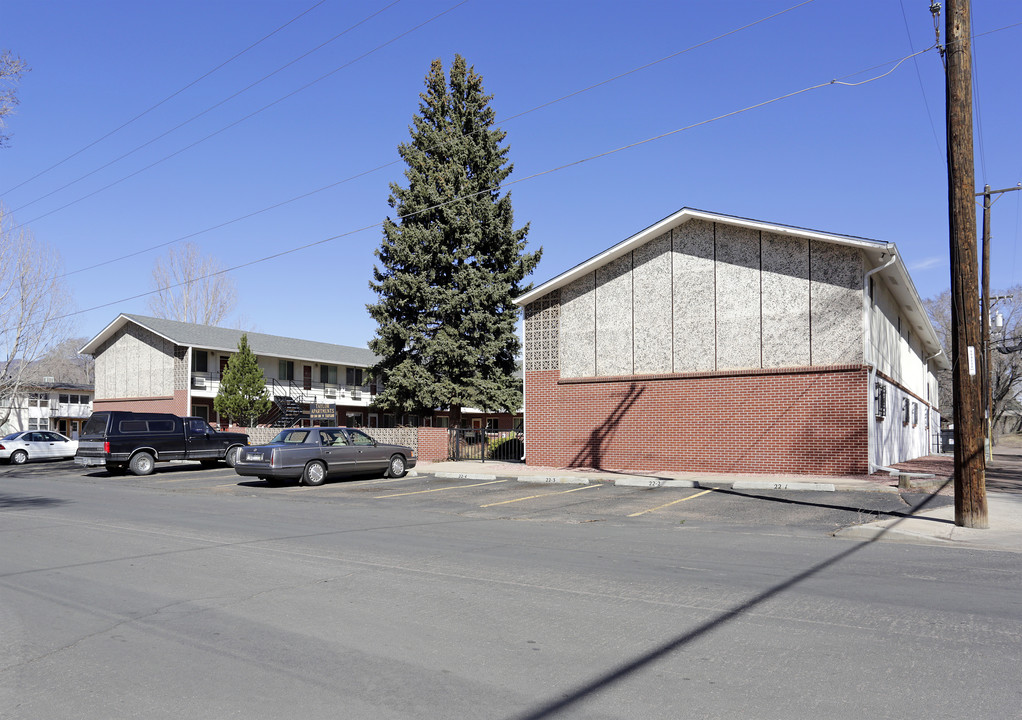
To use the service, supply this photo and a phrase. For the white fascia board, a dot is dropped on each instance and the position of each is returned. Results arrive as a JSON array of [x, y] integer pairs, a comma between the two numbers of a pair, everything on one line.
[[682, 216]]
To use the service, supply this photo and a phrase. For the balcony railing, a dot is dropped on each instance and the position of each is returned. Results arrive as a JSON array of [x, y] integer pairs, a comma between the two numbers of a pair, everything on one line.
[[207, 384]]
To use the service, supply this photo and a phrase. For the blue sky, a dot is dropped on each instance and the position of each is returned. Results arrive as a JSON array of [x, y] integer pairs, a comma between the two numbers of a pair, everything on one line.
[[865, 160]]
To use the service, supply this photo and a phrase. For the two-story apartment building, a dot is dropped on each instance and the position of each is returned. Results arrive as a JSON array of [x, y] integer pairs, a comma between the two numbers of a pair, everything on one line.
[[157, 365], [152, 364], [49, 405], [716, 343]]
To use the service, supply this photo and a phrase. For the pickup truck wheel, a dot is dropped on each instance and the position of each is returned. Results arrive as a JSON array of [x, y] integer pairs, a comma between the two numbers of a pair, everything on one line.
[[315, 473], [142, 464], [396, 467], [231, 458], [19, 457]]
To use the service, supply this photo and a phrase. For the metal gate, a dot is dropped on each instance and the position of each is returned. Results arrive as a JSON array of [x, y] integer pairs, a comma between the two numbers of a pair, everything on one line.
[[482, 445]]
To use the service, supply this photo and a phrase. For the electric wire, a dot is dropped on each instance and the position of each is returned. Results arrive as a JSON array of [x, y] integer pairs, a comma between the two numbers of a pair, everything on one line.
[[978, 108], [395, 162], [213, 107], [164, 100], [922, 88], [503, 186]]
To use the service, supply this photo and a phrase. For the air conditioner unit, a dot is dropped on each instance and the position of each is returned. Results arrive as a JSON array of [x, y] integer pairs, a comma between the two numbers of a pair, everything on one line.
[[330, 392], [199, 383]]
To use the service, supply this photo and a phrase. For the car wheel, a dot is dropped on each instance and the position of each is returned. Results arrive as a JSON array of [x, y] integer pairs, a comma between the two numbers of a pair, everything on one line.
[[19, 457], [231, 458], [142, 464], [315, 473], [396, 468]]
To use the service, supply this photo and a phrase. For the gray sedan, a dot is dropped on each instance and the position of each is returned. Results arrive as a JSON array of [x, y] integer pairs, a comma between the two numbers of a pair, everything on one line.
[[313, 454]]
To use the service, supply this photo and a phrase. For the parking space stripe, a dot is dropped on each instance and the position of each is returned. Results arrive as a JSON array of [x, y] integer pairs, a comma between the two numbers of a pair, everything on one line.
[[675, 502], [533, 497], [453, 487]]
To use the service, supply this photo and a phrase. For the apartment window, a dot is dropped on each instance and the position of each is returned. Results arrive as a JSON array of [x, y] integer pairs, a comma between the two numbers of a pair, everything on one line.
[[519, 424], [915, 414], [328, 374], [443, 421], [68, 399], [200, 361], [353, 376], [286, 370], [904, 411], [880, 401], [38, 424], [491, 423], [37, 400], [353, 419]]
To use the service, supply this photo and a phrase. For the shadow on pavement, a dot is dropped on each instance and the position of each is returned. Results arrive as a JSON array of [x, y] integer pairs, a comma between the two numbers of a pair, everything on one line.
[[928, 500], [27, 502], [603, 682]]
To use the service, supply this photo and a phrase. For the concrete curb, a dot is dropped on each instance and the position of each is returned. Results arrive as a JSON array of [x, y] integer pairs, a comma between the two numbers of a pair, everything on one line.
[[782, 485], [464, 476], [653, 482], [548, 480]]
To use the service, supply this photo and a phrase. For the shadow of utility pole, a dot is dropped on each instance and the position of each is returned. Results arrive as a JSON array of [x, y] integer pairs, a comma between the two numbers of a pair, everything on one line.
[[621, 672]]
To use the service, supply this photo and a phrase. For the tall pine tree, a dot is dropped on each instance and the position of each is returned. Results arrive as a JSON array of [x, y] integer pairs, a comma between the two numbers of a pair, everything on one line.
[[452, 264], [242, 397]]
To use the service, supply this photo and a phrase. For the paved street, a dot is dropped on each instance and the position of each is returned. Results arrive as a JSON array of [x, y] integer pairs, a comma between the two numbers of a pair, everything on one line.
[[201, 594]]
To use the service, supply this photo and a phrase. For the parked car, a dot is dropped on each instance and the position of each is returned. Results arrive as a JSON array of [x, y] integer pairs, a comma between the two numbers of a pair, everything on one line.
[[20, 447], [313, 454], [119, 439]]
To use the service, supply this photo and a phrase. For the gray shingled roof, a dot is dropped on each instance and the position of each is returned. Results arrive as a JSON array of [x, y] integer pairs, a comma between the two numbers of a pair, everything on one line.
[[226, 339]]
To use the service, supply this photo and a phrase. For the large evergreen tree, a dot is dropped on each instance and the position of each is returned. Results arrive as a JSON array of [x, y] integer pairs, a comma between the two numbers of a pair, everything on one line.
[[242, 397], [452, 263]]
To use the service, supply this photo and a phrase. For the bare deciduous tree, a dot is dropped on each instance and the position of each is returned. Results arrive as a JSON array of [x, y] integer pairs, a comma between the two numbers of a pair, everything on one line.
[[34, 304], [1005, 353], [192, 287], [65, 364], [11, 70]]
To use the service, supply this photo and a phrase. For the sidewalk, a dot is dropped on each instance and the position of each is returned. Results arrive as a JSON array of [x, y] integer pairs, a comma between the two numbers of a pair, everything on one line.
[[924, 475]]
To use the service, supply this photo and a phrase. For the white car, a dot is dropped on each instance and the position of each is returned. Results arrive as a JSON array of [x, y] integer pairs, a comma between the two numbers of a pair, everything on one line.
[[20, 447]]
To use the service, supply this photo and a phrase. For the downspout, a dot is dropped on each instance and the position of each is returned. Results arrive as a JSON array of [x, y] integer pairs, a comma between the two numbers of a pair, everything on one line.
[[867, 356]]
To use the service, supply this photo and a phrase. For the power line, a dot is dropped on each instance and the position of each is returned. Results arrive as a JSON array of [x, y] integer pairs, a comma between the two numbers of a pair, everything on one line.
[[504, 186], [164, 100], [210, 109], [394, 162]]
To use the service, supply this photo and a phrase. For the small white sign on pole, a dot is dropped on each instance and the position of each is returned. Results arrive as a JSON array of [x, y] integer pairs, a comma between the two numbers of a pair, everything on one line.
[[972, 360]]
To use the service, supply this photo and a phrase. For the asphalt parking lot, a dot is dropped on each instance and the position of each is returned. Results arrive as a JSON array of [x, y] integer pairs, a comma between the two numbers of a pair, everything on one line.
[[818, 513]]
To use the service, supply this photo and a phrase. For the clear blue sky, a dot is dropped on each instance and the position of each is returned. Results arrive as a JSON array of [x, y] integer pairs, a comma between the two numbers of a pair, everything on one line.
[[864, 160]]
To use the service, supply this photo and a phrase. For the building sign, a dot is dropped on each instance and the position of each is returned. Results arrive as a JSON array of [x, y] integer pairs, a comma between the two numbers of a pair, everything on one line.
[[323, 412]]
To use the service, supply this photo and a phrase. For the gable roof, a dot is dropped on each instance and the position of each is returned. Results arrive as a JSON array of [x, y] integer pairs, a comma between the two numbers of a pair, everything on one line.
[[876, 252], [208, 337]]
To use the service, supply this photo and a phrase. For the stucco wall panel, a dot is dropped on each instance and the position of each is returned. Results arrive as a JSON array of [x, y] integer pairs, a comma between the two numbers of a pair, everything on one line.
[[836, 293], [785, 301], [135, 363], [614, 317], [694, 297], [653, 307], [577, 337], [738, 296]]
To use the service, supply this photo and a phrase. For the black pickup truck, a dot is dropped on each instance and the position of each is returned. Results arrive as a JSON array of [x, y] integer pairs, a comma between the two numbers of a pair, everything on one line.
[[137, 441]]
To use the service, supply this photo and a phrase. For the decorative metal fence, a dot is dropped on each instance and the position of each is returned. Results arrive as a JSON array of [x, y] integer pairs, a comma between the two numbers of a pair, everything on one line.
[[482, 445]]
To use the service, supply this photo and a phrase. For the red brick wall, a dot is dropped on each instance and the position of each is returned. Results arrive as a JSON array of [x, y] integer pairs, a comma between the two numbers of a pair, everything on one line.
[[176, 405], [770, 421], [432, 444]]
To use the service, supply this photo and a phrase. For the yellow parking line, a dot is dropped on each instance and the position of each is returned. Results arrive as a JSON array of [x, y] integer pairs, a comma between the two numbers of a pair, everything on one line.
[[453, 487], [532, 497], [675, 502]]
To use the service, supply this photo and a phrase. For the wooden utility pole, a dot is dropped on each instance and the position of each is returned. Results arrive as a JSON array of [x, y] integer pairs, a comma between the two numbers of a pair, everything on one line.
[[966, 332], [987, 304]]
